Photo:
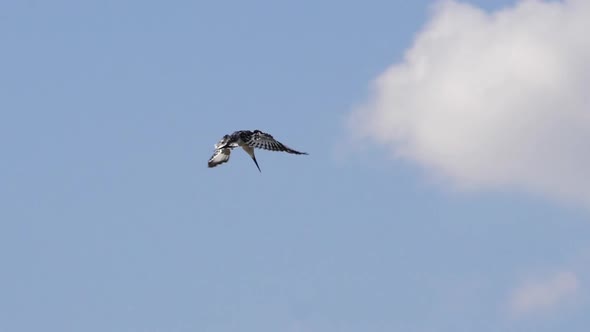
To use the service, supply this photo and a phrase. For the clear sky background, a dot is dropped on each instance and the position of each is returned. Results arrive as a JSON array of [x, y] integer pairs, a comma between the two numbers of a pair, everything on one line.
[[446, 187]]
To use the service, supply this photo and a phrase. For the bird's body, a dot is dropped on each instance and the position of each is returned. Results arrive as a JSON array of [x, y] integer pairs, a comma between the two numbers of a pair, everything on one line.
[[247, 140]]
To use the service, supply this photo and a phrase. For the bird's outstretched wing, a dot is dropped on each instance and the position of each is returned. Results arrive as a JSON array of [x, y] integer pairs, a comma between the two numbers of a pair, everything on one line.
[[265, 141], [220, 156]]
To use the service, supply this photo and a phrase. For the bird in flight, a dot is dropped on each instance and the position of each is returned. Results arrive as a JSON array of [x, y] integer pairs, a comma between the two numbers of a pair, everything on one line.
[[248, 140]]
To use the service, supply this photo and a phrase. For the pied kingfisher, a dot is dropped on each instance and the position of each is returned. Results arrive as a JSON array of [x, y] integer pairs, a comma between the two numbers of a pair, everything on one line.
[[248, 140]]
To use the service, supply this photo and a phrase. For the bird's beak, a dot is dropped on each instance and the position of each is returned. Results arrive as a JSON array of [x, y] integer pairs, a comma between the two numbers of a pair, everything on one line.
[[250, 152], [254, 158]]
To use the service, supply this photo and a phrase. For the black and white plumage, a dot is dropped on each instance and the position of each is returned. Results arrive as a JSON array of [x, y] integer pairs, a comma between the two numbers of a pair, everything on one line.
[[247, 140]]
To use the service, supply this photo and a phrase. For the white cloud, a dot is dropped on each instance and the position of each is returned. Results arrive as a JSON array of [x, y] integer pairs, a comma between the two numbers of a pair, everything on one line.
[[539, 295], [491, 100]]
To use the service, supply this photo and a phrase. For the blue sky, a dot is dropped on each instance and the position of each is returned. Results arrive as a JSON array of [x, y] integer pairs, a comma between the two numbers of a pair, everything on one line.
[[111, 221]]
